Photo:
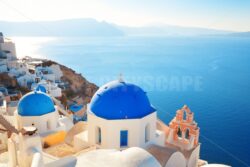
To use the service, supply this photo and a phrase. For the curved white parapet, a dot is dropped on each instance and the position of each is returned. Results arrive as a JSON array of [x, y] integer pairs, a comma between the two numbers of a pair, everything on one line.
[[176, 159], [194, 157], [216, 165], [64, 162], [132, 157], [37, 160]]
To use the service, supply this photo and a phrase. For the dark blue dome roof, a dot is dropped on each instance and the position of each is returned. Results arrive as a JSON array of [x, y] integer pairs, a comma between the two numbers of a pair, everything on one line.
[[35, 103], [41, 88], [120, 100]]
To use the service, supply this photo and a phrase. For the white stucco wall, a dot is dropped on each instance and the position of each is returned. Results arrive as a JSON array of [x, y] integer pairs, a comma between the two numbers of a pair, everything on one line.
[[160, 138], [177, 159], [29, 145], [37, 160], [44, 123], [57, 71], [132, 157], [3, 140], [54, 91], [66, 123], [81, 141], [9, 46], [110, 130], [23, 80], [193, 159]]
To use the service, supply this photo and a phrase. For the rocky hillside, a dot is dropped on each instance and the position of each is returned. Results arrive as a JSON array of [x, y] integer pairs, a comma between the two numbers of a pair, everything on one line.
[[11, 83], [7, 81], [78, 86]]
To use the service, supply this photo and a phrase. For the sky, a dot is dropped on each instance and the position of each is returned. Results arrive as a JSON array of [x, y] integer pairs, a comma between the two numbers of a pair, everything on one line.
[[217, 14]]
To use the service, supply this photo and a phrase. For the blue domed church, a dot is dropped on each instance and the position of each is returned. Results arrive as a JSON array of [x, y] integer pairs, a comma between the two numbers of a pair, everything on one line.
[[120, 116], [37, 109]]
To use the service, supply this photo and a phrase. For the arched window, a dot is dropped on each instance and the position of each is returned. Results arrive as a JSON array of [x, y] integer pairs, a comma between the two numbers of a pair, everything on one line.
[[179, 133], [147, 133], [98, 135], [184, 115], [187, 134]]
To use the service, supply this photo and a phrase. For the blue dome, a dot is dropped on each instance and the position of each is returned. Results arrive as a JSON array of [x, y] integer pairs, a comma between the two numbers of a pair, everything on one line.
[[41, 88], [120, 100], [35, 103], [76, 107]]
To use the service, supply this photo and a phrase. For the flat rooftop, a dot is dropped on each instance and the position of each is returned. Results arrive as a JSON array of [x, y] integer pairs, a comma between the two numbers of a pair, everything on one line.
[[62, 150]]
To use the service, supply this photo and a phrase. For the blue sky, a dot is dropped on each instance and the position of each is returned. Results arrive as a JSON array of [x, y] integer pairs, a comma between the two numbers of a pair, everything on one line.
[[219, 14]]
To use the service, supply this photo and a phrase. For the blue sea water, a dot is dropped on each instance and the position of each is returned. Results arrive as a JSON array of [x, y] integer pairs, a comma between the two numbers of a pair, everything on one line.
[[209, 74]]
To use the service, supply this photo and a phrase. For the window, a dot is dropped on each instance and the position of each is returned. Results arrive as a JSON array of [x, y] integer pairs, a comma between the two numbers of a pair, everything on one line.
[[48, 125], [98, 136], [184, 115], [123, 138], [187, 134], [147, 133], [179, 133]]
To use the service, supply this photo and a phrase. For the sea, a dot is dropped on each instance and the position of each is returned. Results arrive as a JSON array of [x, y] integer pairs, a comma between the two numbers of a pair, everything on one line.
[[209, 74]]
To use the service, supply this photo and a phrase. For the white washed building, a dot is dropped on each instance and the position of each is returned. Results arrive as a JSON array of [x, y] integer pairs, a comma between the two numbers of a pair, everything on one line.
[[37, 109], [121, 116]]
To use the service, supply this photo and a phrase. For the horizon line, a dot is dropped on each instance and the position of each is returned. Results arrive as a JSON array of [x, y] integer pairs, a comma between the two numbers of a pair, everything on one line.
[[130, 26]]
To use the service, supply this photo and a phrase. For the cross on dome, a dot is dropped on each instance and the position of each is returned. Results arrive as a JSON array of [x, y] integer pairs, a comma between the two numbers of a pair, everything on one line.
[[120, 78]]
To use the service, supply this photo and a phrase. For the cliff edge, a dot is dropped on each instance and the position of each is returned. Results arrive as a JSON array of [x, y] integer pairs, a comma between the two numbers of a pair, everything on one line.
[[78, 89]]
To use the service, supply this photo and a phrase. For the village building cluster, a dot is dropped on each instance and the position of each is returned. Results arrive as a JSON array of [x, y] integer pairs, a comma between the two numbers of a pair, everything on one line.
[[28, 71]]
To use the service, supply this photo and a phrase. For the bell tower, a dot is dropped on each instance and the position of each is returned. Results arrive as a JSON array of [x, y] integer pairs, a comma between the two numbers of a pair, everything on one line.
[[183, 130]]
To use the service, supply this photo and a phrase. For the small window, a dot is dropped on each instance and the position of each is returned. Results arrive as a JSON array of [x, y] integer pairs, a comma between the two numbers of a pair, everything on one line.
[[187, 134], [123, 138], [179, 133], [99, 136], [48, 125], [147, 133], [184, 116]]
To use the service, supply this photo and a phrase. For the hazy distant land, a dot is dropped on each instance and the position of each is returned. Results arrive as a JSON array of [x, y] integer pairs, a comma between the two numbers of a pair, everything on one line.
[[93, 28]]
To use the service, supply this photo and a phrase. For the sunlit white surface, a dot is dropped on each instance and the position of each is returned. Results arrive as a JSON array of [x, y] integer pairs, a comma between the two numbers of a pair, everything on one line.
[[29, 46]]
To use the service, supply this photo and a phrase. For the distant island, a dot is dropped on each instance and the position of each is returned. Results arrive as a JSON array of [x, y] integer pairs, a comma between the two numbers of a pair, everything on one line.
[[93, 28], [61, 28]]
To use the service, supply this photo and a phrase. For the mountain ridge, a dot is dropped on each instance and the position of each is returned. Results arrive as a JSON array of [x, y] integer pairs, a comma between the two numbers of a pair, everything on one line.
[[69, 27], [92, 28]]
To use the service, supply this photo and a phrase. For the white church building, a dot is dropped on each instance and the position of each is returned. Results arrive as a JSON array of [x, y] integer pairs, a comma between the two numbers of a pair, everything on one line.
[[121, 116], [37, 109], [121, 126]]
